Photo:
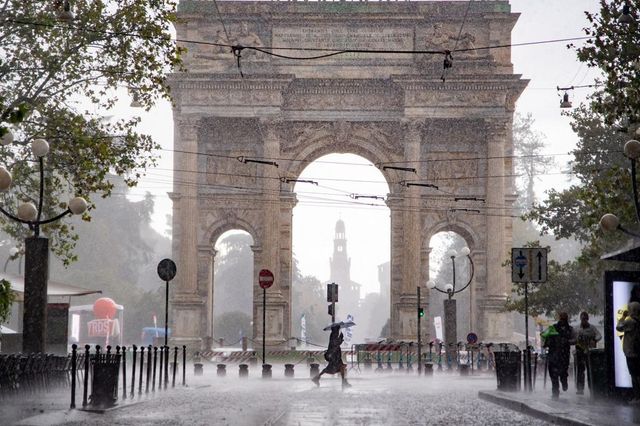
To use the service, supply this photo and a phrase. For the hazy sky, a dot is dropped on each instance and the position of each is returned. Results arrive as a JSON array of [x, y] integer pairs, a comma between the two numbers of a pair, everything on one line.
[[547, 66]]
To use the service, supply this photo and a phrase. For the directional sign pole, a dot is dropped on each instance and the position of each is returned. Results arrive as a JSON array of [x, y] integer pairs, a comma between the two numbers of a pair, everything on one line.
[[264, 324], [527, 354], [419, 337]]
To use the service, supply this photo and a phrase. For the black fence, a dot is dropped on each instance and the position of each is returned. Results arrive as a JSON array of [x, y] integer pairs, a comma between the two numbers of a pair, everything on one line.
[[30, 374], [124, 373]]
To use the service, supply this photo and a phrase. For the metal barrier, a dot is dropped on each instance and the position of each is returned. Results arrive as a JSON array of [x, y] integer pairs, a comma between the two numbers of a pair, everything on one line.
[[100, 371], [34, 373]]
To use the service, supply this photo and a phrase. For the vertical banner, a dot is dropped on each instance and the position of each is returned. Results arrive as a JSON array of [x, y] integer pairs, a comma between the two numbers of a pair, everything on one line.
[[303, 329], [348, 334], [437, 322]]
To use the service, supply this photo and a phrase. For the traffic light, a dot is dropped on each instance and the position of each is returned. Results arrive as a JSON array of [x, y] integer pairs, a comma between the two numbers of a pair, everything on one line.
[[420, 312], [332, 292], [330, 310]]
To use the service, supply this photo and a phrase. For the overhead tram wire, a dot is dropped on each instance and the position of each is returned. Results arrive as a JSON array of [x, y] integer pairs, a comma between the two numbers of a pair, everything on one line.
[[269, 49], [256, 190], [449, 64]]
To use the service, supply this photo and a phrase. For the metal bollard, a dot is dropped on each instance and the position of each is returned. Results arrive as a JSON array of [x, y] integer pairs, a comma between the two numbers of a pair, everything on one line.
[[288, 370], [244, 370], [155, 360], [314, 369], [266, 371], [141, 370], [86, 375], [124, 372], [74, 359], [175, 366], [148, 368], [160, 369], [117, 360], [133, 371], [184, 365], [166, 366], [222, 370], [428, 369]]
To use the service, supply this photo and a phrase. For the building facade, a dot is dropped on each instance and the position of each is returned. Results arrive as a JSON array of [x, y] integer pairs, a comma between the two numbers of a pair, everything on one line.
[[247, 123]]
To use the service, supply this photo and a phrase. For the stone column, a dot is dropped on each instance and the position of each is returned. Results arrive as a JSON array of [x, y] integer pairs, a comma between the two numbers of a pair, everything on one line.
[[496, 291], [406, 328], [186, 302], [425, 292], [206, 258], [277, 302]]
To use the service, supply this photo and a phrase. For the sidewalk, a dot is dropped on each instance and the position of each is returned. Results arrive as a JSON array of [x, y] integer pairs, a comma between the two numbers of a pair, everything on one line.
[[570, 409]]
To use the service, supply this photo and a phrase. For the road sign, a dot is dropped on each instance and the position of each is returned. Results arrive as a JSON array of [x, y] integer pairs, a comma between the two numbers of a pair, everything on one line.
[[265, 278], [472, 338], [166, 269], [528, 265]]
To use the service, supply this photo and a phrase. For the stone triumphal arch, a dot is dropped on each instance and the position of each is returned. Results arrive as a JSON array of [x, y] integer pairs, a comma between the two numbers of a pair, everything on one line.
[[400, 111]]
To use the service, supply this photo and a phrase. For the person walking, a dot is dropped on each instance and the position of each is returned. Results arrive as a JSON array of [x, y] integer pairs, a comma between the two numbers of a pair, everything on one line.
[[333, 355], [587, 338], [558, 338], [629, 324]]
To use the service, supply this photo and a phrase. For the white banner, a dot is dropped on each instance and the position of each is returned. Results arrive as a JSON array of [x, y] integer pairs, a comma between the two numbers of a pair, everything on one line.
[[303, 329], [348, 334], [437, 322], [103, 328]]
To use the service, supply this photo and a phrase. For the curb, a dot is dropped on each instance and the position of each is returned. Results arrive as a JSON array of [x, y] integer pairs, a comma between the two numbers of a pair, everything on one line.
[[529, 409]]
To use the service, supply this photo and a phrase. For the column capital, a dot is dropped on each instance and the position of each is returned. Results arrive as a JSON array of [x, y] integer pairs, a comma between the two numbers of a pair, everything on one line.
[[270, 126], [412, 127], [204, 249], [497, 126], [188, 126]]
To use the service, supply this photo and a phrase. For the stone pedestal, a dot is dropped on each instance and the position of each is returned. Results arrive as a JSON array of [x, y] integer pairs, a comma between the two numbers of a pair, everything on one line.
[[36, 275], [450, 322]]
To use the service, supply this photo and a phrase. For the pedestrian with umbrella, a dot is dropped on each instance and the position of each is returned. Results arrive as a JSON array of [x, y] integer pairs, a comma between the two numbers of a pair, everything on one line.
[[333, 354]]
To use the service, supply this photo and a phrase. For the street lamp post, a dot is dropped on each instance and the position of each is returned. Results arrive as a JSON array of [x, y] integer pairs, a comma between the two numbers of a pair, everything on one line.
[[450, 289], [610, 222], [36, 252]]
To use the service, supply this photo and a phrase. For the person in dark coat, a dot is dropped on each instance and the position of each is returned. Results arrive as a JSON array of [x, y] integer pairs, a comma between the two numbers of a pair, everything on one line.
[[333, 355], [587, 338], [629, 324], [558, 339]]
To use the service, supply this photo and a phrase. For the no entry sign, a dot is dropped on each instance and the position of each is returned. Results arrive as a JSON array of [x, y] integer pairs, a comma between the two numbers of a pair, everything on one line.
[[265, 278]]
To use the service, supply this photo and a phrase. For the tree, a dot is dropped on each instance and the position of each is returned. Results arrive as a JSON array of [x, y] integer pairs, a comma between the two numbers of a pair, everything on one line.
[[569, 288], [602, 185], [6, 299], [602, 179], [528, 143], [233, 276], [52, 69], [232, 326], [614, 48]]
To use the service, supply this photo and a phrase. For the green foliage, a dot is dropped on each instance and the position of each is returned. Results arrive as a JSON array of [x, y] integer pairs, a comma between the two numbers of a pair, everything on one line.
[[601, 175], [614, 48], [569, 289], [6, 299], [51, 71], [528, 143], [232, 326]]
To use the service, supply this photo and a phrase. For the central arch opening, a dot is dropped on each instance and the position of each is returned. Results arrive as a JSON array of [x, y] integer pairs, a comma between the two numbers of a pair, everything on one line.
[[341, 234]]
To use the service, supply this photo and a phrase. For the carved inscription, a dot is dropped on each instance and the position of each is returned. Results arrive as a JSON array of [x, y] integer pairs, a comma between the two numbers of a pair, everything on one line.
[[342, 38]]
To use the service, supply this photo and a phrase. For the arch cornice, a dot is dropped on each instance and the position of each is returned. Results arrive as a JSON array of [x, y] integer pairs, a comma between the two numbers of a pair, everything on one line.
[[460, 227], [371, 140], [219, 227]]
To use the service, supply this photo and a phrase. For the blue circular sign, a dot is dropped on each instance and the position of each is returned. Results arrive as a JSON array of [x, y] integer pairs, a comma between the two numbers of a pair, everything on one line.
[[472, 338]]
